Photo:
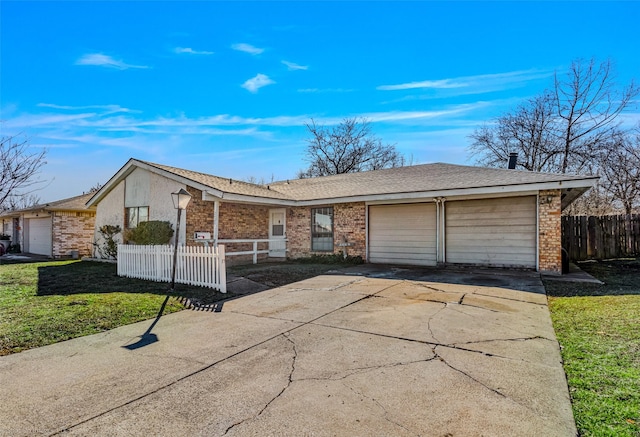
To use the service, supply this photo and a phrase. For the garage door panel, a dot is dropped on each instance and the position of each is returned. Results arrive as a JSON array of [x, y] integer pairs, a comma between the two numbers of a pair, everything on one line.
[[401, 249], [415, 261], [513, 244], [490, 251], [480, 232], [403, 234], [407, 235], [500, 232], [479, 221], [477, 207], [496, 261]]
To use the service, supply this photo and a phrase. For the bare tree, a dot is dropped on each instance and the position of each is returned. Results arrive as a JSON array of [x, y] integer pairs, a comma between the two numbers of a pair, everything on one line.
[[95, 188], [19, 168], [560, 130], [349, 147], [588, 104], [620, 167], [258, 180], [15, 203], [529, 131]]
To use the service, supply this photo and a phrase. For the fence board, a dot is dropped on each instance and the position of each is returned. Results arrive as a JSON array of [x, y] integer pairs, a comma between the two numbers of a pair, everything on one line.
[[601, 237], [195, 265]]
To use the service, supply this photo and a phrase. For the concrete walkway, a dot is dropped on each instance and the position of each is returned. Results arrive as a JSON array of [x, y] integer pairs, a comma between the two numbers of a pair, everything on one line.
[[360, 355]]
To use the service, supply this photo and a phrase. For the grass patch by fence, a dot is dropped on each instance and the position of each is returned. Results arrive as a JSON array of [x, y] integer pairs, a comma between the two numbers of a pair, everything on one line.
[[47, 302], [597, 327]]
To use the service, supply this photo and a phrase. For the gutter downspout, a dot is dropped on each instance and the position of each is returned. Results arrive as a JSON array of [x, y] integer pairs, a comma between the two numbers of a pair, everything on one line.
[[437, 201], [444, 232], [538, 232]]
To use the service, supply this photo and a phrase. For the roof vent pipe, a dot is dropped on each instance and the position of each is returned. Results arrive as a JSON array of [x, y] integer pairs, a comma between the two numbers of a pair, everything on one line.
[[513, 160]]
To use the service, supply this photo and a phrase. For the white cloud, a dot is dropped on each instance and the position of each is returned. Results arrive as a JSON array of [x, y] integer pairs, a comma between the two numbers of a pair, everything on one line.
[[399, 116], [293, 66], [255, 83], [247, 48], [190, 51], [479, 83], [102, 60], [439, 84], [110, 109]]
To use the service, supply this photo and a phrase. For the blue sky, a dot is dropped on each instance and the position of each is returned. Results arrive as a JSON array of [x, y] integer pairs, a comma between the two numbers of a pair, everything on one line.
[[226, 87]]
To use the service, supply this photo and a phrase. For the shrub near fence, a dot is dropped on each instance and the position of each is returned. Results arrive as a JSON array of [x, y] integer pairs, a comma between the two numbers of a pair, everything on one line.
[[196, 265], [610, 236]]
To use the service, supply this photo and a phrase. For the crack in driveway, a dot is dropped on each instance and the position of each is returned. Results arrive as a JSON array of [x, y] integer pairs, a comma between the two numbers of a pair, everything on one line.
[[292, 357], [385, 416], [203, 369], [287, 336]]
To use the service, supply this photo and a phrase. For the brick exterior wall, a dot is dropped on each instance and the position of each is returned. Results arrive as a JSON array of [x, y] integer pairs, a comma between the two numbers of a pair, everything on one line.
[[235, 221], [550, 231], [349, 224], [199, 215], [73, 231]]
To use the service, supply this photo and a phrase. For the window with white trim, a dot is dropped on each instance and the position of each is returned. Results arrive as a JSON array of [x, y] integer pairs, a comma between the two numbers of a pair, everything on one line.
[[322, 229]]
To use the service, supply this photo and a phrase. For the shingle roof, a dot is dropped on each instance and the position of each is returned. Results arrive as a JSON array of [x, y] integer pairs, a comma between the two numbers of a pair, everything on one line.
[[410, 179], [76, 203], [423, 180], [223, 184]]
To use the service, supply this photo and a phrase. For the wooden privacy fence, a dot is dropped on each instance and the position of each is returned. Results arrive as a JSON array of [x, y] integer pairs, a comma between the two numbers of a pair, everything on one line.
[[610, 236], [196, 265]]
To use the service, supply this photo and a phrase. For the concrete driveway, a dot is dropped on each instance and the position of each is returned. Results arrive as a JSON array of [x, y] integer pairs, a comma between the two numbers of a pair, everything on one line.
[[379, 352]]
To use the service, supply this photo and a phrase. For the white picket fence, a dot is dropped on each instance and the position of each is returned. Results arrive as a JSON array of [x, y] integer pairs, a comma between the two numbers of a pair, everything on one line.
[[196, 265]]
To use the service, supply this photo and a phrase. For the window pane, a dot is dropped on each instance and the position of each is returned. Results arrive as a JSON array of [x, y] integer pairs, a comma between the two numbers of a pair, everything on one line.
[[277, 230], [133, 217], [143, 214]]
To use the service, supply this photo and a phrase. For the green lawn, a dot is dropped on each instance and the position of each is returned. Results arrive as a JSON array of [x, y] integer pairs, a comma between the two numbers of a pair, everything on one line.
[[598, 327], [48, 302]]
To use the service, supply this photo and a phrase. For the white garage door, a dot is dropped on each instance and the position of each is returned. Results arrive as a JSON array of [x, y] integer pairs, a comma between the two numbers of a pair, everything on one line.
[[403, 234], [493, 232], [40, 236]]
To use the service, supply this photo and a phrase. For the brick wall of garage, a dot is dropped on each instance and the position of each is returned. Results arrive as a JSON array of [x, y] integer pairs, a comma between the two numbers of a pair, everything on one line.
[[550, 231], [73, 231], [349, 224]]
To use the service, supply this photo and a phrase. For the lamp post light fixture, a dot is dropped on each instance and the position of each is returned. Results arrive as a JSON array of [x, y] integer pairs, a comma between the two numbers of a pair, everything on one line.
[[180, 199]]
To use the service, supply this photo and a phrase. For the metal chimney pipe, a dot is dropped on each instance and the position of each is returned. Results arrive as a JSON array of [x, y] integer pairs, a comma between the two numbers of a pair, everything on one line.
[[513, 160]]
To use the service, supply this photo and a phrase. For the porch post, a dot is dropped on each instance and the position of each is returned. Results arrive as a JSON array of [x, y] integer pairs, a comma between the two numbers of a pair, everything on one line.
[[216, 213]]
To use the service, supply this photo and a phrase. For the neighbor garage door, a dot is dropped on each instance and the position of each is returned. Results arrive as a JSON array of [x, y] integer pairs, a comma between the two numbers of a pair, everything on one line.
[[493, 232], [403, 234], [39, 236]]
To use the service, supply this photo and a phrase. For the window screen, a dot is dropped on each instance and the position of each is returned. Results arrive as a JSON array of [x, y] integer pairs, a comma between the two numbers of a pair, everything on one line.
[[322, 229]]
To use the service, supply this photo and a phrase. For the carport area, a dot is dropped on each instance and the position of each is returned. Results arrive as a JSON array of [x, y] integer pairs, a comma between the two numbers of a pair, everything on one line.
[[367, 351]]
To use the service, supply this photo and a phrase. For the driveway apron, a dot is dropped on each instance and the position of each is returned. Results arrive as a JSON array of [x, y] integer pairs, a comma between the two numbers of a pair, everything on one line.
[[369, 354]]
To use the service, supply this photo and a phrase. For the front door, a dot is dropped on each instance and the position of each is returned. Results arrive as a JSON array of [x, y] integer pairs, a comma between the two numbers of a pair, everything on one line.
[[277, 233]]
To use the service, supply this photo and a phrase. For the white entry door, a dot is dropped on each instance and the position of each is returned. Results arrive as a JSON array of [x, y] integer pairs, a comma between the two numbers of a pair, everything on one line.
[[277, 233], [39, 238]]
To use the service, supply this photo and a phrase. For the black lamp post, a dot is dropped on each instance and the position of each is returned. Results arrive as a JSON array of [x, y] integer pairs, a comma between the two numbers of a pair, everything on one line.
[[180, 199]]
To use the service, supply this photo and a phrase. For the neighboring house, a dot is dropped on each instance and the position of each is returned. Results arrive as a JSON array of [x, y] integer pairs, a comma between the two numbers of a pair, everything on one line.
[[429, 214], [56, 229]]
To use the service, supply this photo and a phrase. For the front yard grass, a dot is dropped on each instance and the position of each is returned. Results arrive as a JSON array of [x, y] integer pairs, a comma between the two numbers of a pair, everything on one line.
[[598, 327], [48, 302]]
